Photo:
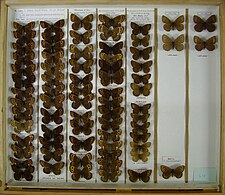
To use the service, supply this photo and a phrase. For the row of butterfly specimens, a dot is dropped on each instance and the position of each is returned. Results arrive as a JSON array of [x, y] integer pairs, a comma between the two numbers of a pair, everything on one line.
[[140, 95], [23, 100], [111, 95], [82, 99]]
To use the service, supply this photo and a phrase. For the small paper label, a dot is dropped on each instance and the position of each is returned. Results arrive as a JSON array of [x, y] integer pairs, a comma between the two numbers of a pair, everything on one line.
[[205, 174], [171, 160]]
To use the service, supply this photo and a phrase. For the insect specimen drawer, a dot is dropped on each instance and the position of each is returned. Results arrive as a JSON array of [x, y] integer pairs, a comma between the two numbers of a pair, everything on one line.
[[124, 96]]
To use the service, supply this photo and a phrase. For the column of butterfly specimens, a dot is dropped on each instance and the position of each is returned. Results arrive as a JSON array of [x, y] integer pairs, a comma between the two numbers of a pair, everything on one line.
[[23, 107], [52, 99], [205, 68], [82, 85], [171, 64], [111, 82], [140, 35]]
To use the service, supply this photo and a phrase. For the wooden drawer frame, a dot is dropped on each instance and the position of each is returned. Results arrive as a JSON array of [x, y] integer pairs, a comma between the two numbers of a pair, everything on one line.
[[3, 42]]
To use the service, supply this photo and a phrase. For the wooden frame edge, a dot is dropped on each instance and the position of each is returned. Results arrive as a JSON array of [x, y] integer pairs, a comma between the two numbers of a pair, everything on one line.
[[3, 42]]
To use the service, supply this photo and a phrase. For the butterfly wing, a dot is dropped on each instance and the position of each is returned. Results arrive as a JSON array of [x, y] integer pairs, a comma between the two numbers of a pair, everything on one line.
[[178, 43], [145, 175], [178, 23], [199, 43], [200, 24], [168, 43], [210, 43], [167, 23], [178, 171], [133, 175], [86, 22], [166, 171], [135, 52], [210, 23]]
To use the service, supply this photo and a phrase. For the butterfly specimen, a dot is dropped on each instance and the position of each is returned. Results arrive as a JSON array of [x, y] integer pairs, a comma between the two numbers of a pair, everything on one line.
[[22, 142], [81, 118], [109, 21], [110, 164], [51, 133], [138, 90], [55, 168], [24, 28], [79, 23], [111, 77], [21, 163], [140, 41], [19, 83], [77, 102], [83, 161], [115, 49], [137, 29], [55, 78], [107, 93], [52, 47], [141, 78], [141, 53], [177, 24], [25, 152], [107, 32], [20, 126], [22, 94], [168, 172], [110, 146], [53, 27], [79, 37], [79, 144], [85, 66], [48, 155], [56, 116], [114, 103], [140, 137], [140, 109], [28, 71], [81, 173], [137, 117], [113, 136], [108, 114], [49, 144], [137, 66], [143, 156], [109, 156], [51, 90], [170, 43], [21, 114], [84, 128], [49, 101], [106, 175], [208, 44], [25, 173], [81, 81], [208, 24], [77, 53], [143, 176]]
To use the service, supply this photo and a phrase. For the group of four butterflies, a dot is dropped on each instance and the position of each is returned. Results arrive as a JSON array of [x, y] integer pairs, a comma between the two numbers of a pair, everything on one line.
[[53, 97], [200, 25], [22, 109]]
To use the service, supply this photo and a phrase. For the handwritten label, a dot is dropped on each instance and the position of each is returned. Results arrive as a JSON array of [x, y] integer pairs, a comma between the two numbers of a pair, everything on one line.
[[172, 55], [202, 56], [205, 174], [171, 160]]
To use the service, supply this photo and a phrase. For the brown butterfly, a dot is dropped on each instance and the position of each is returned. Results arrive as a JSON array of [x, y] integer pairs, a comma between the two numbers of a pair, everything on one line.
[[53, 35], [53, 90], [53, 27], [107, 125], [105, 154], [170, 43], [24, 28], [106, 32], [21, 163], [106, 175], [25, 152], [22, 142], [81, 91], [208, 44], [21, 114], [109, 21], [23, 93], [114, 103], [52, 117], [110, 67], [140, 41], [59, 66], [85, 128], [21, 104], [53, 47], [79, 37], [77, 102], [48, 155], [108, 78], [78, 81], [138, 148], [108, 114], [136, 156], [140, 137], [81, 173], [140, 109], [113, 136], [143, 118], [52, 57], [23, 173], [110, 59], [55, 143], [20, 126], [19, 82], [140, 29], [81, 118], [208, 24], [107, 93], [141, 78], [77, 53], [173, 25], [109, 164], [139, 128], [51, 133], [27, 54], [77, 161], [49, 102], [26, 45], [85, 66], [143, 176], [168, 172], [24, 33], [141, 53], [79, 23], [55, 168], [110, 146], [138, 90], [82, 144], [113, 50], [28, 71]]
